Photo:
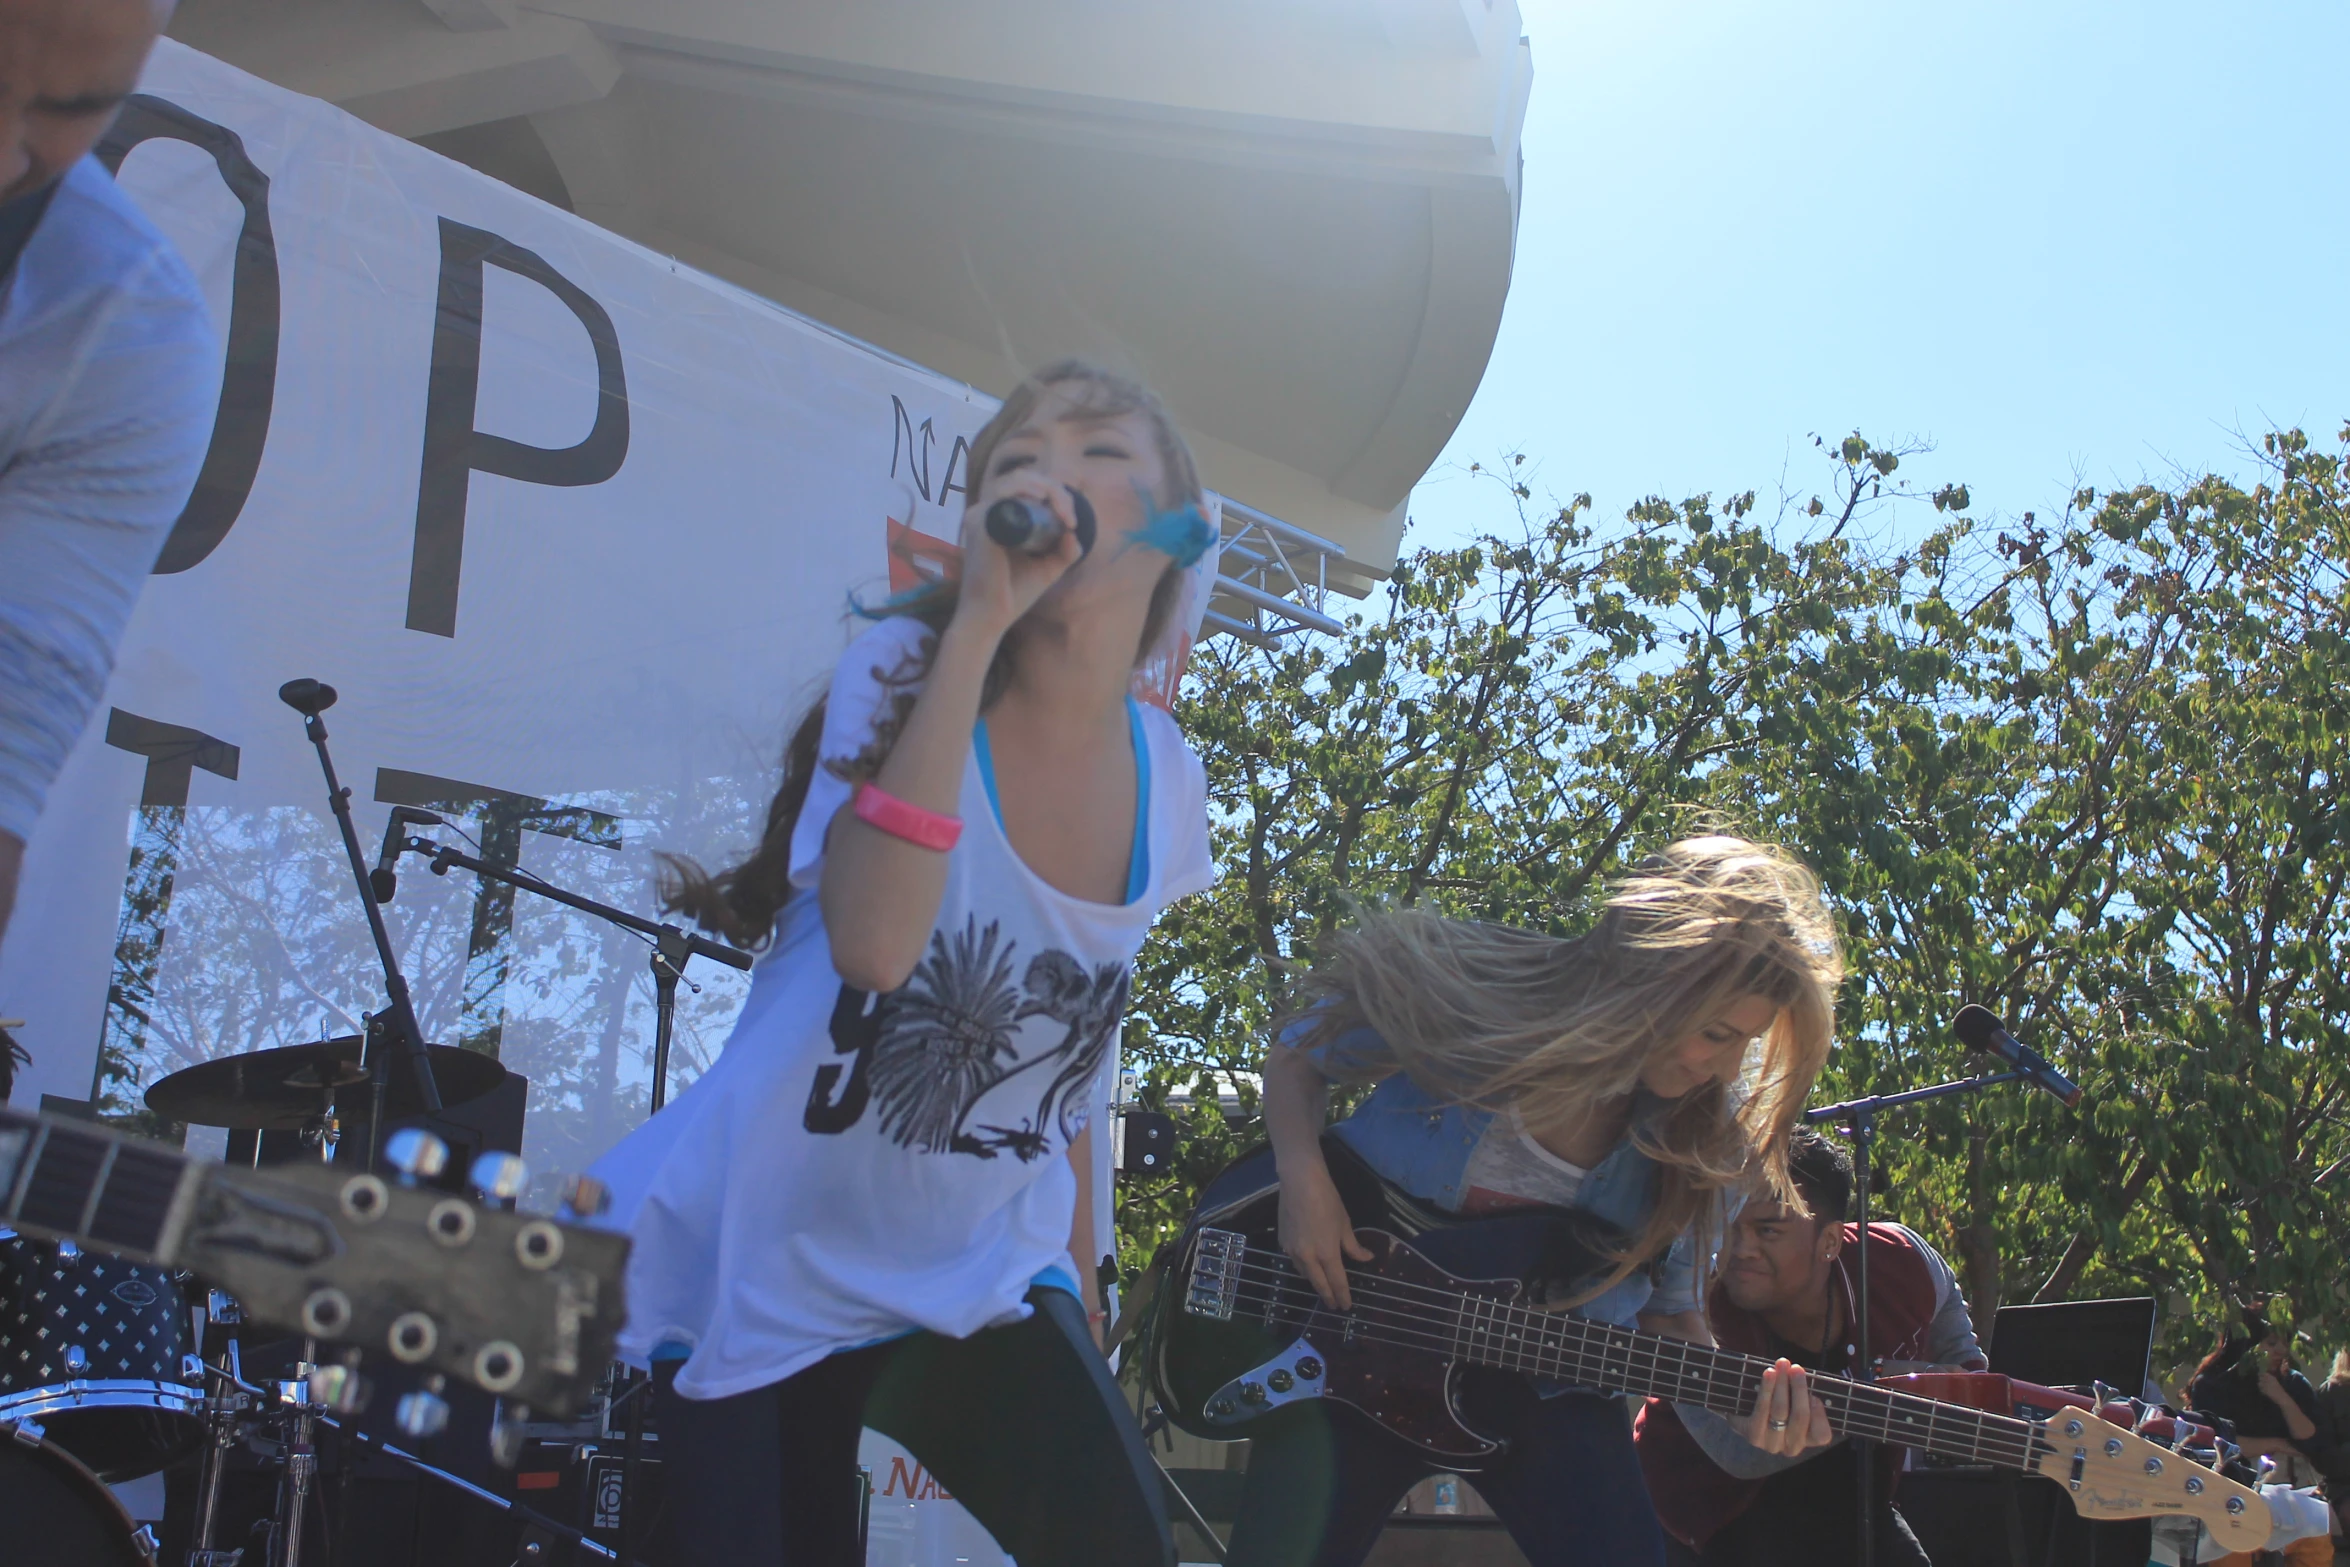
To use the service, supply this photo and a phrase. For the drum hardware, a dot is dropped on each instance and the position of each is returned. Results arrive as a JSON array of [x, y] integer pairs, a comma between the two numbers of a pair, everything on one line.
[[368, 1441], [301, 1411], [224, 1410]]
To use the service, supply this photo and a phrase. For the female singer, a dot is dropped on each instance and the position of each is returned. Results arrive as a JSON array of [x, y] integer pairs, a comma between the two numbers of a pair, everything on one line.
[[875, 1208], [1519, 1070]]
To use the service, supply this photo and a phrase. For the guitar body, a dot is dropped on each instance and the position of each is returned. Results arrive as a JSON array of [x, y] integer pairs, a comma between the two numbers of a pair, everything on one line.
[[1295, 1352]]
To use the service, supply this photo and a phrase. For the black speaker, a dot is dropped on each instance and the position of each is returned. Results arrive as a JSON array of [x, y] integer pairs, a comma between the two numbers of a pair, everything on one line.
[[1146, 1143], [1971, 1517]]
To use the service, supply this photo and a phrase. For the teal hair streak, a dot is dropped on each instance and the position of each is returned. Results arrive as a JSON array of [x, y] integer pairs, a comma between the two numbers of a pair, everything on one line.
[[1182, 534]]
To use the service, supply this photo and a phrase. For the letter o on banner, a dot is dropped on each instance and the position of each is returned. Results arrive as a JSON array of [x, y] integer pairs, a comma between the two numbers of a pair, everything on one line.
[[248, 382]]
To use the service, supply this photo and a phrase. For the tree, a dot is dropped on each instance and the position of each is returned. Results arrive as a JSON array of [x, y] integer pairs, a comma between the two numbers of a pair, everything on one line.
[[2079, 771]]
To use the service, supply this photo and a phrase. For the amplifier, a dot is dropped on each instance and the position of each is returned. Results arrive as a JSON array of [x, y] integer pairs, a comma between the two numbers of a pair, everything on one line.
[[578, 1483]]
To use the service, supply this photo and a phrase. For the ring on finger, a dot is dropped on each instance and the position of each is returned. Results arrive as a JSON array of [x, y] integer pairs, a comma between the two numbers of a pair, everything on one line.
[[1778, 1425]]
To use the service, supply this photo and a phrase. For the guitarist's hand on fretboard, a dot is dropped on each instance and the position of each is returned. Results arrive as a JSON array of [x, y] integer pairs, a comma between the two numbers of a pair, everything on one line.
[[1787, 1420]]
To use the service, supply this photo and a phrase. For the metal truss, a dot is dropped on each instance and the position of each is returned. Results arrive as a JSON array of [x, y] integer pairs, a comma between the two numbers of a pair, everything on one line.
[[1271, 580]]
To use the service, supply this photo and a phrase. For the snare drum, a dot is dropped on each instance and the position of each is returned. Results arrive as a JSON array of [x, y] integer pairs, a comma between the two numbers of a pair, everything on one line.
[[96, 1350]]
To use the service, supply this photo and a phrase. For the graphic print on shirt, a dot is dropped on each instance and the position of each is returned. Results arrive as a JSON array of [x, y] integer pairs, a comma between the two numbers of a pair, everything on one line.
[[946, 1035], [1090, 1005], [856, 1029], [930, 1051]]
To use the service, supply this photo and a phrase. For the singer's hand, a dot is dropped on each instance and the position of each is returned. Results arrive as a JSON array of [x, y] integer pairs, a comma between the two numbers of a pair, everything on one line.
[[1001, 585]]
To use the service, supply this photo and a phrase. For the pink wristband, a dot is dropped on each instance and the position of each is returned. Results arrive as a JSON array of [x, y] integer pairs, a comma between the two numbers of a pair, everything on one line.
[[877, 807]]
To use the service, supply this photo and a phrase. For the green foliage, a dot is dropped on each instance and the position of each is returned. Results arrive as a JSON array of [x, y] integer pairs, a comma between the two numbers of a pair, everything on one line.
[[2083, 772]]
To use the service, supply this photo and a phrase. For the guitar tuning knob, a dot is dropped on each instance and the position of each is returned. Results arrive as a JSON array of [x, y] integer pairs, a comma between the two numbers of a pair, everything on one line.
[[499, 1177], [422, 1415], [340, 1388], [586, 1197], [416, 1154]]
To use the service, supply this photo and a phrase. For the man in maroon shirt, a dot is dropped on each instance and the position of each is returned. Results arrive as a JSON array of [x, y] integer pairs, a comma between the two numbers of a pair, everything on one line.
[[1787, 1288]]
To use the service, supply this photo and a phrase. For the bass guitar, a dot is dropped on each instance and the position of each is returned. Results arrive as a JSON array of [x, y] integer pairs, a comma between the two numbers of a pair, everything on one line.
[[1240, 1338], [513, 1303]]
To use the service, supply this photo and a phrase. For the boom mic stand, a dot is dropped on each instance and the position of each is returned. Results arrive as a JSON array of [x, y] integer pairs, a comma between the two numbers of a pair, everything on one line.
[[1859, 1117], [672, 949], [311, 698]]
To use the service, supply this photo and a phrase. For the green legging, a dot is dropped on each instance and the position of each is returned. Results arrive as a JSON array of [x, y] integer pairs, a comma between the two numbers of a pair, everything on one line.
[[1021, 1423]]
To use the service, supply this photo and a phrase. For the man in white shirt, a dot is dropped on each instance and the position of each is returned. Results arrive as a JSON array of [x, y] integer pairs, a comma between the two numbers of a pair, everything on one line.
[[108, 374]]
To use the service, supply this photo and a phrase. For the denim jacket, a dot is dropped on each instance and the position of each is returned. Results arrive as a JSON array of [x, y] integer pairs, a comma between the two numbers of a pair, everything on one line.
[[1423, 1143]]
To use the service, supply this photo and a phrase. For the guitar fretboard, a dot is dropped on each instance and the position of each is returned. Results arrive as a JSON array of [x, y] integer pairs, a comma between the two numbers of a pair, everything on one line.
[[1571, 1349], [88, 1185]]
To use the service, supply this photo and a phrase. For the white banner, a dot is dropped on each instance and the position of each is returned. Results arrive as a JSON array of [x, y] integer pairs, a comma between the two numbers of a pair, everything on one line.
[[573, 529]]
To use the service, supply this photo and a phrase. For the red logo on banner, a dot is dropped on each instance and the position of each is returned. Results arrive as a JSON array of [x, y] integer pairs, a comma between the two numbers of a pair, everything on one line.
[[909, 1480], [915, 558]]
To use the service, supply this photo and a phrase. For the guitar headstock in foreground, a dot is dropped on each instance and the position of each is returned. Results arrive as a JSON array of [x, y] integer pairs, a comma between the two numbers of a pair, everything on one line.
[[2113, 1472], [513, 1303]]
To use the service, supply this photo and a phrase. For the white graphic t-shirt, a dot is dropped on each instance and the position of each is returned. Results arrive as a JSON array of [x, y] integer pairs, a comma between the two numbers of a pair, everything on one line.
[[854, 1166], [1509, 1169]]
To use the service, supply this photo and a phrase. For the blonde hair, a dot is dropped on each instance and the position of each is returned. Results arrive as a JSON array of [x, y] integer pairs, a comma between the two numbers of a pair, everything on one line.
[[1490, 1016], [2341, 1372]]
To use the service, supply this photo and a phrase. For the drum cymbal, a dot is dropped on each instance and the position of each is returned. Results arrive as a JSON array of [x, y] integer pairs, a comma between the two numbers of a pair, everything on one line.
[[282, 1090]]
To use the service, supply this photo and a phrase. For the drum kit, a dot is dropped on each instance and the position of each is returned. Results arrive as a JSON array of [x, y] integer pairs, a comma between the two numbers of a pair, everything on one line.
[[112, 1370], [115, 1364]]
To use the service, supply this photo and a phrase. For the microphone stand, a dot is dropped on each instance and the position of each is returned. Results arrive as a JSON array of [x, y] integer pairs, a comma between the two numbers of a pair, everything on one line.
[[672, 946], [672, 949], [311, 698], [1859, 1117]]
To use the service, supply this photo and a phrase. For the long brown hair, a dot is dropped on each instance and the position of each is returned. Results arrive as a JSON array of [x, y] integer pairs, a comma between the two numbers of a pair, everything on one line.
[[741, 902], [1491, 1016]]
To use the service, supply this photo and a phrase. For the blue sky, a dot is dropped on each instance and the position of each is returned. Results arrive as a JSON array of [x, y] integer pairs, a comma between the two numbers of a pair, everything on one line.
[[2053, 239]]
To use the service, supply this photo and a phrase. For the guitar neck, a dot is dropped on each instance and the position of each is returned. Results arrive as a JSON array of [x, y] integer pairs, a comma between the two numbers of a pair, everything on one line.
[[1593, 1354], [94, 1187]]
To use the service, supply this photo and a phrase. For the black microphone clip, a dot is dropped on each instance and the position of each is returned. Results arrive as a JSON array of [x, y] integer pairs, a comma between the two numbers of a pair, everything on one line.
[[1978, 1030], [382, 881]]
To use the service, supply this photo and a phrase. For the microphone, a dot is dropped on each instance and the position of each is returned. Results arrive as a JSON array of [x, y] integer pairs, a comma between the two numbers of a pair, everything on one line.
[[307, 697], [1977, 1029], [1027, 528], [381, 881]]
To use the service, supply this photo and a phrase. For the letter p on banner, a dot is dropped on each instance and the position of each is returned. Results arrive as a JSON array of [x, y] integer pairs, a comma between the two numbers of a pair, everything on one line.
[[454, 450]]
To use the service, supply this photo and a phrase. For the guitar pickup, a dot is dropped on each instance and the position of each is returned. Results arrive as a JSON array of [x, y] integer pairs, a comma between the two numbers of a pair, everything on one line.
[[1215, 1275]]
